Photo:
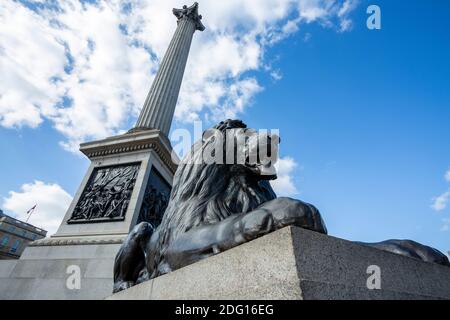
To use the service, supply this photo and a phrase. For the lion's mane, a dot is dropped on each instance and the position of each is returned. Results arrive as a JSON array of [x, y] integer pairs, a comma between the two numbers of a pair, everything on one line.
[[208, 193]]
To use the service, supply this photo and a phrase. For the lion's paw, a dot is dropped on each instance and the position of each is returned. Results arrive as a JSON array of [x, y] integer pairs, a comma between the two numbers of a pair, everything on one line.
[[291, 212]]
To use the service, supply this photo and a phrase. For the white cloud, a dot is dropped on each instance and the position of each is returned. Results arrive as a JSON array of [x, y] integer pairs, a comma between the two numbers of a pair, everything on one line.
[[52, 202], [446, 224], [440, 202], [348, 6], [86, 67], [26, 91], [284, 184], [325, 10], [276, 75], [307, 37]]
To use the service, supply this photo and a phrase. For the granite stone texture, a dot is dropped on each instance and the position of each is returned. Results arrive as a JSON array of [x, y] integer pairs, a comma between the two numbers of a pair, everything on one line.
[[42, 272], [291, 263], [295, 263]]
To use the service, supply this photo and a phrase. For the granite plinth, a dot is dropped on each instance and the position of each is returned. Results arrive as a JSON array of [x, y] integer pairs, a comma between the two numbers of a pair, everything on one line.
[[43, 272], [298, 264]]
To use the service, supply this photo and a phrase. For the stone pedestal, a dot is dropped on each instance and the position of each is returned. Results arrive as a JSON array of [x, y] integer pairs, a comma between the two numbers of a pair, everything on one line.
[[298, 264], [43, 272], [149, 151], [90, 246]]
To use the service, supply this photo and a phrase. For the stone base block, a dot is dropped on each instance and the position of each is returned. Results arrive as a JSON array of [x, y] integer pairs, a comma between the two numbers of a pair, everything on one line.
[[294, 263], [43, 272]]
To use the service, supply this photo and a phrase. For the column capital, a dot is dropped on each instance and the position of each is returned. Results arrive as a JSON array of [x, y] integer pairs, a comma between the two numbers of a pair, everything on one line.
[[190, 13]]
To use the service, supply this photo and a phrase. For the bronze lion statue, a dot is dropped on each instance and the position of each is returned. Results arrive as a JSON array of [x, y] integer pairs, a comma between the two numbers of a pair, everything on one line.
[[217, 205]]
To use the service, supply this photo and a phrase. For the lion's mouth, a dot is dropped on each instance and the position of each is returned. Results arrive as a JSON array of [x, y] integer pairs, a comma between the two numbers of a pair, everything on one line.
[[261, 154], [264, 166], [265, 171]]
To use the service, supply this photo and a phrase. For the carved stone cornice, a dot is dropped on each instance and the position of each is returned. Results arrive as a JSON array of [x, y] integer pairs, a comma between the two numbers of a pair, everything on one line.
[[76, 241], [138, 140], [190, 13]]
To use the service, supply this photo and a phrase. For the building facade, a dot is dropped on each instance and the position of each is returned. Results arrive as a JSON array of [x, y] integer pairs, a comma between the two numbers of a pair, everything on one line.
[[15, 236]]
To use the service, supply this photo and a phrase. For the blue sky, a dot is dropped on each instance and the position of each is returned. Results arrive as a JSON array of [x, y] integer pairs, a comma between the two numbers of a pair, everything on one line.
[[364, 115], [367, 116]]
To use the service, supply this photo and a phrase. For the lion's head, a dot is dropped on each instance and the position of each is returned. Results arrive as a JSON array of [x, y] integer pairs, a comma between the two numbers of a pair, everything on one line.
[[227, 172]]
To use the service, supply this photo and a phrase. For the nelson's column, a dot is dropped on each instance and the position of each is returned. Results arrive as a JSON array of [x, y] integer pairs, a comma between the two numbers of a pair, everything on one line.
[[128, 181]]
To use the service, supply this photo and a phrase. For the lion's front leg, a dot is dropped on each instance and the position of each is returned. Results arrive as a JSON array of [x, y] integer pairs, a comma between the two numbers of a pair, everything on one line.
[[130, 259], [292, 212], [207, 240]]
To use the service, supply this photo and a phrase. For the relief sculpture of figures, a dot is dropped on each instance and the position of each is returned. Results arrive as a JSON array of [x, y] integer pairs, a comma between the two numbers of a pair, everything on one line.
[[106, 195], [153, 207], [214, 207], [156, 199]]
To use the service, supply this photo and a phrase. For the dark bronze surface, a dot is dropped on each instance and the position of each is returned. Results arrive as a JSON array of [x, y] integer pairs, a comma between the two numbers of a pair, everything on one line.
[[156, 199], [106, 195], [411, 249], [215, 207], [190, 13]]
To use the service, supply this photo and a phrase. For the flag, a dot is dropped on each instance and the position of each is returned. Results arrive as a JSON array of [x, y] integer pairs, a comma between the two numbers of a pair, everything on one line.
[[31, 209], [29, 212]]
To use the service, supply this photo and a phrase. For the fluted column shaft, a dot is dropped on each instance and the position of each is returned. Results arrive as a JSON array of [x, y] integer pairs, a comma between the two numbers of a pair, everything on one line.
[[159, 106]]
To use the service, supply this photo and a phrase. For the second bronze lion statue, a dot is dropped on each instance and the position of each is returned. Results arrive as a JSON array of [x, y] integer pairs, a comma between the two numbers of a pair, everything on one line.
[[216, 206]]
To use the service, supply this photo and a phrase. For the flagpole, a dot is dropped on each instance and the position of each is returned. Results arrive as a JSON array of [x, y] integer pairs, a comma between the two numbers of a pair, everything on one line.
[[30, 212]]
